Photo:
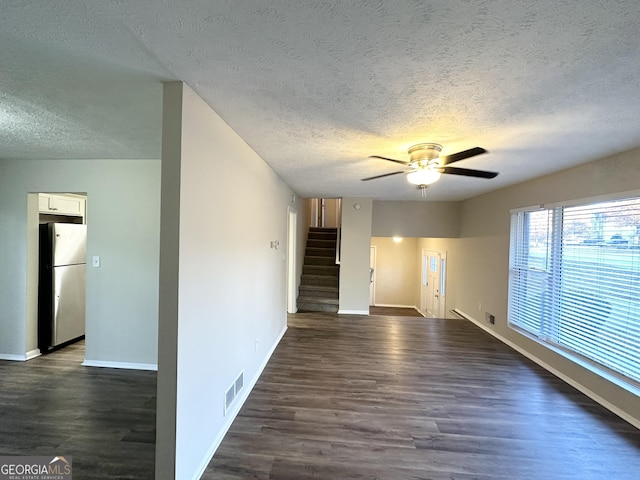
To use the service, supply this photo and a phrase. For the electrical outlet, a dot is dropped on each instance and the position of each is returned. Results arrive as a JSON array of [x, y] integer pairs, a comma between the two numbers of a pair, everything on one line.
[[490, 318], [479, 306]]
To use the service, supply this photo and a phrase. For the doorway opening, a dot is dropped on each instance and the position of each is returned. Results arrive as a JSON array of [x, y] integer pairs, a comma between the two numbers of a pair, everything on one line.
[[433, 283], [325, 212], [56, 274]]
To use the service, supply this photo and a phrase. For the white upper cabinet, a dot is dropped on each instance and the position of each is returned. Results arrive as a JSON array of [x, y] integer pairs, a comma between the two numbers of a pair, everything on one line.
[[61, 204]]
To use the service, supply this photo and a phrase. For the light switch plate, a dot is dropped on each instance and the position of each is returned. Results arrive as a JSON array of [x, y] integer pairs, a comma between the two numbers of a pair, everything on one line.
[[96, 261]]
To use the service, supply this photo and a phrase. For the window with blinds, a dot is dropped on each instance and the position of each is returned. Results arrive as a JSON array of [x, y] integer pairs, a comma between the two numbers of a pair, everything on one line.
[[574, 280]]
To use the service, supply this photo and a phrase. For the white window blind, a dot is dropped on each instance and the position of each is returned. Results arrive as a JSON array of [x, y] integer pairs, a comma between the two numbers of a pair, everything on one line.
[[575, 280]]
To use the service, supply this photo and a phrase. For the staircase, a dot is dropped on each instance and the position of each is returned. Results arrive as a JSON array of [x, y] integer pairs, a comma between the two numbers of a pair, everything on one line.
[[320, 275]]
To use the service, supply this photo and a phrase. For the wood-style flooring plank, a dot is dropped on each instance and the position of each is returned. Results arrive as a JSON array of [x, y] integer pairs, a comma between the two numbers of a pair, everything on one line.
[[103, 418], [356, 397], [343, 397], [394, 311]]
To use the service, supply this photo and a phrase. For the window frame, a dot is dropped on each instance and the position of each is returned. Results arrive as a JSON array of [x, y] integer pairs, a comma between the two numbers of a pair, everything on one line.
[[519, 243]]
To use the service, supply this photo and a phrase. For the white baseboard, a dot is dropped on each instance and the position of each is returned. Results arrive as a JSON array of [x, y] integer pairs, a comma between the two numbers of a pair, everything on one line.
[[592, 395], [21, 358], [353, 312], [123, 365], [13, 358], [232, 414], [33, 354]]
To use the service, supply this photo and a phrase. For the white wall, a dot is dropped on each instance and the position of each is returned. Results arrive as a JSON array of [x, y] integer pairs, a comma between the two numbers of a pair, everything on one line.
[[354, 257], [479, 260], [416, 219], [397, 272], [228, 204], [123, 212]]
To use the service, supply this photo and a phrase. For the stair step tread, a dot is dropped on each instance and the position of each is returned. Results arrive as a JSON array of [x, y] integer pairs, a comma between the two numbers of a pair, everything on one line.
[[324, 288], [322, 281], [330, 301], [318, 291], [331, 255], [307, 293], [321, 269], [328, 280], [317, 307], [316, 257]]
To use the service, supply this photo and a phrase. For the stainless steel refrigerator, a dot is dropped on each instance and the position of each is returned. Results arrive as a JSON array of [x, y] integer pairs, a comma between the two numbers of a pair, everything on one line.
[[61, 289]]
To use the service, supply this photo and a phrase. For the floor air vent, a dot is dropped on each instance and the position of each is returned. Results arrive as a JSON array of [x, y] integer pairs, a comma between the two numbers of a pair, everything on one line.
[[239, 382], [232, 392]]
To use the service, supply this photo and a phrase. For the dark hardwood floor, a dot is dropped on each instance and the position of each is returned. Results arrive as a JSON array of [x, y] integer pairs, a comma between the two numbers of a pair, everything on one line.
[[394, 312], [103, 418], [343, 397], [411, 398]]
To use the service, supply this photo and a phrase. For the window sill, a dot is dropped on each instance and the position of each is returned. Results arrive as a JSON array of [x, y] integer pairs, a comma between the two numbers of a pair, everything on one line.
[[628, 385]]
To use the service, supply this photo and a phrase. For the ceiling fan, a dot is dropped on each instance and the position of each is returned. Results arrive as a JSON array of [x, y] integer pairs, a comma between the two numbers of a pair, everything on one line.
[[425, 165]]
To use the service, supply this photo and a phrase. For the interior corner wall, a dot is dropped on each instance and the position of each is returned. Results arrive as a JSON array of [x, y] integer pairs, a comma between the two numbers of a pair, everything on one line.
[[397, 272], [416, 219], [123, 212], [167, 380], [354, 257], [231, 285], [481, 272]]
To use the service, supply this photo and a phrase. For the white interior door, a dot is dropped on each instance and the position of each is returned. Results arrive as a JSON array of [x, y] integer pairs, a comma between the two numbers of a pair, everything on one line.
[[372, 276], [432, 289], [433, 285]]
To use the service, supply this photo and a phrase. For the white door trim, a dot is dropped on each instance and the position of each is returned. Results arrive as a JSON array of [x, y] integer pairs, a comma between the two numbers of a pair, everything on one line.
[[292, 284], [424, 275], [373, 256]]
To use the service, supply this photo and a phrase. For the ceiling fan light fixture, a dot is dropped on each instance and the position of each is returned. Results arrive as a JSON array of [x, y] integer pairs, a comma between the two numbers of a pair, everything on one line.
[[424, 153], [423, 176], [425, 165]]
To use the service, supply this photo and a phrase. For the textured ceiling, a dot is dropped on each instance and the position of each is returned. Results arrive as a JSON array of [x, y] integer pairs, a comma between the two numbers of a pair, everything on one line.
[[317, 86]]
